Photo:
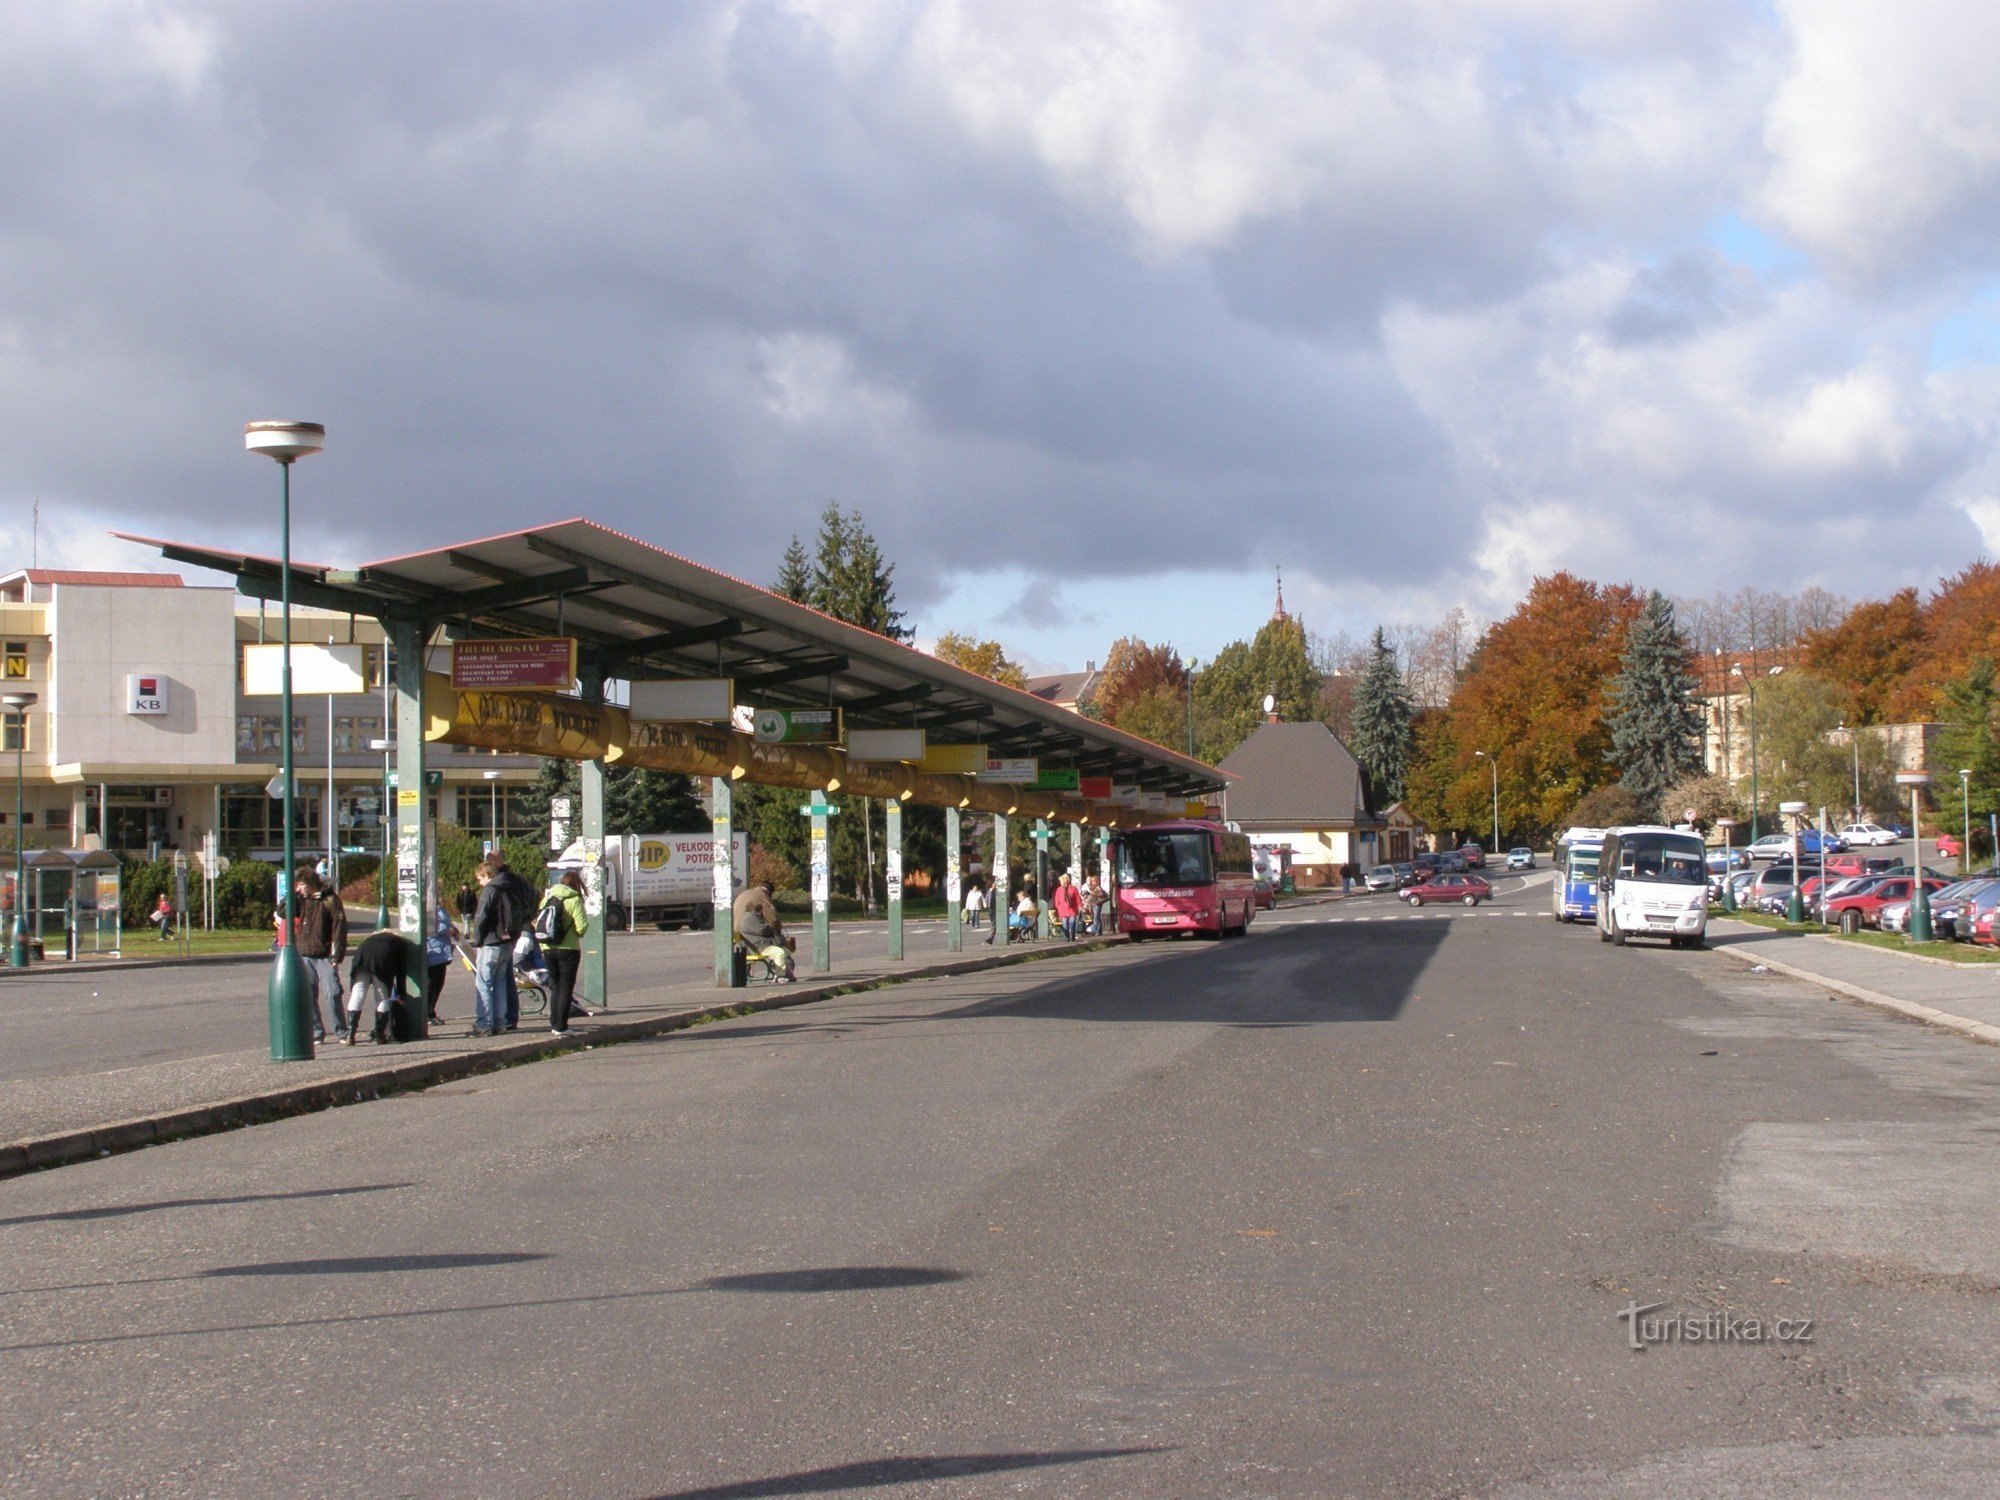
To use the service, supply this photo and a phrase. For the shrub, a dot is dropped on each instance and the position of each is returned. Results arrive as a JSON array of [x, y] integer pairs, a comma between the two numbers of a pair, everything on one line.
[[246, 894], [765, 865], [141, 884]]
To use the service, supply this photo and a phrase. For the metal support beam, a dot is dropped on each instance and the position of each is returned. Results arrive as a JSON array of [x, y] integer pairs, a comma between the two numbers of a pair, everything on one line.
[[415, 873], [592, 979], [823, 666], [1000, 903], [677, 640], [951, 716], [892, 841], [821, 863], [1043, 833], [721, 802], [954, 886], [914, 693]]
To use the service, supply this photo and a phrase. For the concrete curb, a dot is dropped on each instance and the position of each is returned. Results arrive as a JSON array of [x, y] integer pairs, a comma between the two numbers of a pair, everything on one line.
[[127, 965], [1910, 1009], [67, 1147]]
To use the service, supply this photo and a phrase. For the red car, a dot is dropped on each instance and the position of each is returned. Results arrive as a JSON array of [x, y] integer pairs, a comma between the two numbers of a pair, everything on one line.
[[1852, 913], [1841, 866], [1949, 846], [1468, 889]]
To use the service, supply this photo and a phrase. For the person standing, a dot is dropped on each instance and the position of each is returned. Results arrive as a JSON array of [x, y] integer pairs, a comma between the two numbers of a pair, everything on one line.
[[163, 918], [1066, 906], [493, 945], [975, 902], [520, 898], [437, 955], [1092, 903], [321, 941], [560, 923]]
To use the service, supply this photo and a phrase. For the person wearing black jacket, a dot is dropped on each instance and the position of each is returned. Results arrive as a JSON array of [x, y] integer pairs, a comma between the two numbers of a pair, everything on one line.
[[521, 902], [493, 934], [383, 970]]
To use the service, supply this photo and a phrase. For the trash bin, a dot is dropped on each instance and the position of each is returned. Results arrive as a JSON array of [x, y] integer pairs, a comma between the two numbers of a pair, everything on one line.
[[739, 966]]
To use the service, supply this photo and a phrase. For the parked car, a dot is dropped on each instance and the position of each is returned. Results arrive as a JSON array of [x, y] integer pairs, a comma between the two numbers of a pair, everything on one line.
[[1779, 845], [1948, 846], [1521, 859], [1846, 864], [1451, 862], [1773, 883], [1467, 889], [1381, 878], [1867, 835], [1852, 913], [1950, 906], [1408, 874], [1851, 885], [1739, 886], [1772, 846], [1720, 860]]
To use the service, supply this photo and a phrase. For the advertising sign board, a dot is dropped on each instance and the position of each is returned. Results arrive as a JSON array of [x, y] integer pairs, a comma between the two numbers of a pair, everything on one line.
[[796, 726], [548, 664]]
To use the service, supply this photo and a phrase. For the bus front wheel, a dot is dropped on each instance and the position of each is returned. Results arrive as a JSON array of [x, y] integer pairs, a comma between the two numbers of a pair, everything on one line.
[[1617, 934]]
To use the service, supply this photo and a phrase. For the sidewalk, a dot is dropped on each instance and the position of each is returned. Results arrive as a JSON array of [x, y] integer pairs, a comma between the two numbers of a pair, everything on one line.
[[69, 1117], [1963, 999]]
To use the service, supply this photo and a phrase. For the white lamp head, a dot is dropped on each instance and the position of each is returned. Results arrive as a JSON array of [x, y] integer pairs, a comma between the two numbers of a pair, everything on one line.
[[284, 441]]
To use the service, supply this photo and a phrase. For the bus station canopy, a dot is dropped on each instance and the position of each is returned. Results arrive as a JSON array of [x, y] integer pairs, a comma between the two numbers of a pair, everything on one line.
[[639, 612]]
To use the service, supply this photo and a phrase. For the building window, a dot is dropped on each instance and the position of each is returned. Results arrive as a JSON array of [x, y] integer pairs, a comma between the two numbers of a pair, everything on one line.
[[14, 731], [56, 819], [353, 734], [16, 668], [257, 734]]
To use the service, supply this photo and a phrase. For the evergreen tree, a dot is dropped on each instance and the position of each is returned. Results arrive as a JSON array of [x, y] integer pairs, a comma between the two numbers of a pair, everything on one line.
[[1967, 706], [1656, 728], [795, 575], [851, 580], [1382, 712]]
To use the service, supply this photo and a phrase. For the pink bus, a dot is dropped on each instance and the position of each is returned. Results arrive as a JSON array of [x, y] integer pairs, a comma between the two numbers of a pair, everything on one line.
[[1184, 877]]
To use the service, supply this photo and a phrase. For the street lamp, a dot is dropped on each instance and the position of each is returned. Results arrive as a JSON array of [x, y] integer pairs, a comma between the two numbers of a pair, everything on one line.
[[289, 996], [1854, 739], [1920, 906], [1965, 849], [18, 705], [1795, 907], [493, 809], [1751, 683], [1493, 766]]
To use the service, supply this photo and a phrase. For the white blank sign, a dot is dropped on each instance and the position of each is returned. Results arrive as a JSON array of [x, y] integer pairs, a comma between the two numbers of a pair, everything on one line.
[[315, 669]]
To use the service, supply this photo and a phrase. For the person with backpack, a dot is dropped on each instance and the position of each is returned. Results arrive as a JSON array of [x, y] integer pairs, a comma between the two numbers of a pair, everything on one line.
[[560, 923]]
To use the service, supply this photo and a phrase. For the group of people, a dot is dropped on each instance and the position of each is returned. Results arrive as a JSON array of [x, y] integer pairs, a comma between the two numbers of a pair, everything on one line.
[[1074, 910], [503, 918]]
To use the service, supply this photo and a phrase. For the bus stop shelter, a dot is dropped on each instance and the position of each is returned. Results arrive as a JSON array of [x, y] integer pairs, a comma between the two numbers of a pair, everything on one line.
[[675, 666]]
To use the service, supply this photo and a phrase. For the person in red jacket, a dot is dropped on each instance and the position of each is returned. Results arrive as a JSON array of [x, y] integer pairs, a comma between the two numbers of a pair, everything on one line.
[[1067, 905]]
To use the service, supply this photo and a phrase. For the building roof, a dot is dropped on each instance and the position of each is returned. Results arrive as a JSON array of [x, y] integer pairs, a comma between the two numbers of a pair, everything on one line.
[[1296, 776], [98, 580], [1066, 689]]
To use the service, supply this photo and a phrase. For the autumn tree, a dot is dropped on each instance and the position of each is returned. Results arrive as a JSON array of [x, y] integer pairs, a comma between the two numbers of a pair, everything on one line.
[[1798, 758], [1135, 670], [1868, 656], [987, 658], [1535, 695]]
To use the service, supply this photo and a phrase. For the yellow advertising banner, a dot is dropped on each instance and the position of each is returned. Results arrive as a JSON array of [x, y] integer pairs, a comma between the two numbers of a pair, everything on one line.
[[524, 723], [953, 760]]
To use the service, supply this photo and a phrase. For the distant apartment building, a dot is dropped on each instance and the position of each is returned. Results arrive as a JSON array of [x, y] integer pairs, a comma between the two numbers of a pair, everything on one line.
[[142, 738]]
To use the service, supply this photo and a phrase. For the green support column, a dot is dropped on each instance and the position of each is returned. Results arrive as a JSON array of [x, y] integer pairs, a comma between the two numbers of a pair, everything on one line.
[[721, 805], [892, 838], [416, 876], [1043, 833], [819, 810], [954, 886], [998, 906]]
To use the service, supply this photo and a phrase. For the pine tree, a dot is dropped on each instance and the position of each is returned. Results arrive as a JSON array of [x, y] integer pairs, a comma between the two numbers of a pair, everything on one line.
[[1382, 713], [795, 575], [1656, 728], [1967, 707]]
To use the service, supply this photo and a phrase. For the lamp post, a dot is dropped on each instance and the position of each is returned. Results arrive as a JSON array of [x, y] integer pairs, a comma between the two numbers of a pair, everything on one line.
[[18, 705], [289, 996], [1920, 906], [1494, 766], [1795, 906], [1751, 683], [1965, 849], [1854, 740], [493, 809]]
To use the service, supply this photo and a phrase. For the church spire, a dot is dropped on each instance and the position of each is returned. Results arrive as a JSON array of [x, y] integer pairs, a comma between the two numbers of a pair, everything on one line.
[[1279, 612]]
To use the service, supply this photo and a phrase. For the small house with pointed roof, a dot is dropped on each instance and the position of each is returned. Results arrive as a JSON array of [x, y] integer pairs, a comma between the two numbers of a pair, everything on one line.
[[1297, 787]]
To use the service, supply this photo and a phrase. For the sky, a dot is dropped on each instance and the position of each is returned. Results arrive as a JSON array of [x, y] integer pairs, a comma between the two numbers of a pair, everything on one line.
[[1099, 314]]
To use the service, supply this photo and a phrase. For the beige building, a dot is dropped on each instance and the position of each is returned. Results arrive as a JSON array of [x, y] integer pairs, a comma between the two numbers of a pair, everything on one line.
[[142, 738]]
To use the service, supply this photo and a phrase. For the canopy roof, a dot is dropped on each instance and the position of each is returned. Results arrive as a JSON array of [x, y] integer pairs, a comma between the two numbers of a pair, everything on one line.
[[640, 612]]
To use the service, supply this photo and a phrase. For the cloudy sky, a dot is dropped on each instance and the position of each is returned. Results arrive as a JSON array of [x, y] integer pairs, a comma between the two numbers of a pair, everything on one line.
[[1096, 311]]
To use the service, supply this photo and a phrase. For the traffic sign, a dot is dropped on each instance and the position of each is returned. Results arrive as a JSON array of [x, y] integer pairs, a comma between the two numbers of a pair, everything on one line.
[[431, 778], [275, 787]]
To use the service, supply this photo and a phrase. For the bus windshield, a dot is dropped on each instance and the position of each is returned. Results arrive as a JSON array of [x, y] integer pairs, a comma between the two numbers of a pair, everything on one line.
[[1180, 858], [1669, 858], [1583, 864]]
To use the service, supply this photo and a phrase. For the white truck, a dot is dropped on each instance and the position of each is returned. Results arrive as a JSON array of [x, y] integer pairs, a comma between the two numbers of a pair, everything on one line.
[[665, 878]]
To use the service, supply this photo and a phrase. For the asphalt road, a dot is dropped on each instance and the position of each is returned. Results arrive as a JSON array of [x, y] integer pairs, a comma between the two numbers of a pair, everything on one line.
[[1348, 1207]]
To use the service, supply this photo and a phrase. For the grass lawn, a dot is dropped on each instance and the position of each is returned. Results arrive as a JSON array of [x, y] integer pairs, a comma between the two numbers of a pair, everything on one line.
[[1958, 953]]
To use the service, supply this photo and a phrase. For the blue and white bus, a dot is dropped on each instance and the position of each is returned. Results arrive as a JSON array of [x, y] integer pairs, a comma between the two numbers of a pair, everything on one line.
[[1575, 898]]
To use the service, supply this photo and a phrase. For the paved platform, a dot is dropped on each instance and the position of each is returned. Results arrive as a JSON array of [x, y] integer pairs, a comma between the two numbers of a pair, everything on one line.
[[1961, 997], [156, 1065]]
